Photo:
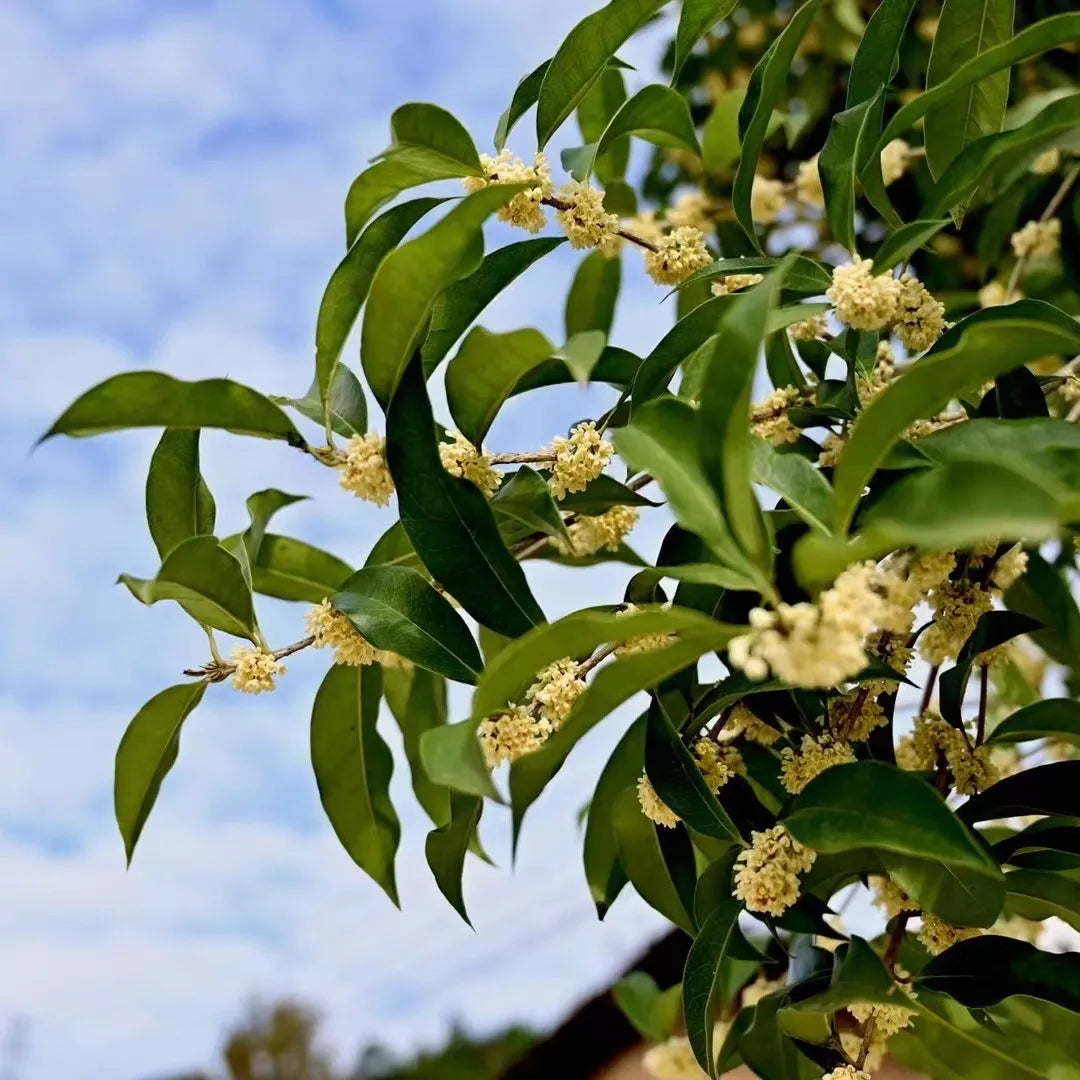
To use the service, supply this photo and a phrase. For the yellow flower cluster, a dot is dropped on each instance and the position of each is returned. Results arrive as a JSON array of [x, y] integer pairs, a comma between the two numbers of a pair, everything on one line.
[[854, 715], [332, 629], [645, 226], [767, 199], [694, 209], [255, 670], [1047, 163], [714, 763], [556, 691], [920, 319], [1037, 238], [767, 877], [588, 535], [752, 728], [808, 187], [678, 255], [812, 329], [652, 806], [734, 283], [993, 294], [895, 158], [938, 935], [364, 470], [512, 734], [890, 897], [642, 642], [579, 459], [869, 386], [769, 418], [1010, 568], [846, 1072], [888, 1019], [583, 217], [958, 606], [525, 210], [814, 756], [970, 765], [460, 458], [673, 1060], [891, 648], [864, 300]]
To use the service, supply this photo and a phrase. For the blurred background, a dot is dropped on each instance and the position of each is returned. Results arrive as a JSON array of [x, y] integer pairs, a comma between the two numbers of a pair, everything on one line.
[[171, 197]]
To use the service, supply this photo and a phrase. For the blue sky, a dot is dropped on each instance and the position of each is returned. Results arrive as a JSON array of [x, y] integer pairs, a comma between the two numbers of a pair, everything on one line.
[[171, 197]]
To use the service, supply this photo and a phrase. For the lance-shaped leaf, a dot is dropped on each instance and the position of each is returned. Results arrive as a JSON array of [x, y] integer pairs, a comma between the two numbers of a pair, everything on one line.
[[178, 502], [983, 971], [965, 29], [208, 583], [602, 494], [261, 507], [877, 57], [656, 114], [398, 610], [291, 569], [1040, 894], [767, 83], [525, 94], [353, 766], [146, 754], [409, 280], [661, 868], [344, 409], [794, 479], [450, 522], [590, 304], [582, 57], [524, 505], [1045, 789], [428, 143], [603, 871], [804, 277], [655, 1013], [138, 399], [930, 853], [858, 976], [484, 372], [903, 242], [446, 848], [696, 19], [718, 941], [851, 134], [452, 756], [1054, 718], [457, 308], [348, 286]]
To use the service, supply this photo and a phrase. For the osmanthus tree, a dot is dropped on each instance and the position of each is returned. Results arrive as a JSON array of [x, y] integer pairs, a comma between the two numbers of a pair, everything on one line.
[[876, 207]]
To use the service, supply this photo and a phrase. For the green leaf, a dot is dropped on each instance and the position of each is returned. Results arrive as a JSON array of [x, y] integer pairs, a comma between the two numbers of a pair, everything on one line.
[[657, 114], [484, 371], [453, 757], [603, 871], [642, 857], [696, 19], [661, 439], [525, 95], [673, 772], [931, 855], [604, 99], [767, 1050], [902, 243], [447, 847], [1045, 789], [602, 494], [590, 304], [146, 754], [976, 166], [349, 284], [655, 1013], [965, 29], [877, 57], [1054, 718], [767, 82], [978, 352], [720, 139], [208, 583], [449, 522], [582, 353], [353, 767], [850, 134], [794, 479], [345, 407], [858, 976], [1039, 894], [1044, 593], [983, 971], [409, 280], [290, 569], [394, 548], [582, 57], [719, 940], [804, 277], [399, 611], [261, 507], [457, 308], [524, 505], [138, 399], [178, 502]]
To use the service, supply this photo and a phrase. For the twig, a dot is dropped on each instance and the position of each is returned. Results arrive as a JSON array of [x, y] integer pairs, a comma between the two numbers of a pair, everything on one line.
[[218, 670], [928, 690], [558, 204], [527, 458], [980, 734]]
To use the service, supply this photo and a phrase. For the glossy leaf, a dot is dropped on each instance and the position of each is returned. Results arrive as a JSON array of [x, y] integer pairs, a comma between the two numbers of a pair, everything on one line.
[[450, 522], [582, 57], [720, 138], [409, 280], [1038, 894], [484, 372], [696, 19], [903, 242], [850, 135], [291, 569], [447, 847], [1054, 718], [523, 505], [345, 408], [590, 304], [207, 581], [794, 479], [602, 494], [457, 308], [1045, 789], [657, 114], [877, 57], [353, 766], [178, 502], [767, 82], [146, 753], [452, 756], [525, 95], [399, 611], [803, 277], [138, 399], [858, 976], [655, 1013]]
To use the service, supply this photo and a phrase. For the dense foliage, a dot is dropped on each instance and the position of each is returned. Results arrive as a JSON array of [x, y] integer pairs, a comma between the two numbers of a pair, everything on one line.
[[856, 645]]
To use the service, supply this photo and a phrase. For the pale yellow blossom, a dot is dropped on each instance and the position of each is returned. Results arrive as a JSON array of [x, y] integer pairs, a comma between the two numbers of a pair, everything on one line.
[[693, 208], [767, 872], [938, 935], [815, 328], [525, 210], [814, 756], [255, 669], [602, 532], [1037, 238], [364, 471], [769, 418], [894, 160], [743, 722], [808, 183], [460, 458], [673, 1060], [734, 283], [864, 300], [579, 459], [768, 199], [556, 691], [583, 217], [512, 734], [653, 807], [333, 629], [678, 255], [920, 318], [1048, 162]]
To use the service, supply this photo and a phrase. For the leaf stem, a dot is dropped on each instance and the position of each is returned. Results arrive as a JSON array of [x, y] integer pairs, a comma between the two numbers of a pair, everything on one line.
[[928, 690]]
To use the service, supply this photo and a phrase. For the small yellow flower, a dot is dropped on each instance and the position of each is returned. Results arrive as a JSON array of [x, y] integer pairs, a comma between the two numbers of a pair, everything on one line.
[[512, 734], [769, 418], [768, 200], [1037, 238], [808, 183], [332, 629], [920, 318], [583, 218], [525, 210], [673, 1060], [579, 459], [812, 759], [605, 531], [364, 471], [653, 807], [695, 209], [460, 458], [894, 160], [678, 255], [864, 300], [256, 670], [556, 691], [1048, 162], [767, 874], [993, 294], [846, 1072], [938, 935], [642, 642], [812, 329], [734, 283]]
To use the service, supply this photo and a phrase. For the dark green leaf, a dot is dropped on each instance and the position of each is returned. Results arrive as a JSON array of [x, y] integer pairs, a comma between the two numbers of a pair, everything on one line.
[[146, 754], [1037, 894], [794, 479], [428, 136], [602, 494], [178, 502], [655, 1013], [353, 767], [453, 757], [850, 134], [720, 139], [877, 57], [449, 521], [525, 95], [590, 304], [447, 847], [290, 569], [696, 19], [1054, 718], [657, 114], [1045, 789], [397, 610], [804, 276], [858, 976], [902, 243], [524, 505], [346, 407]]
